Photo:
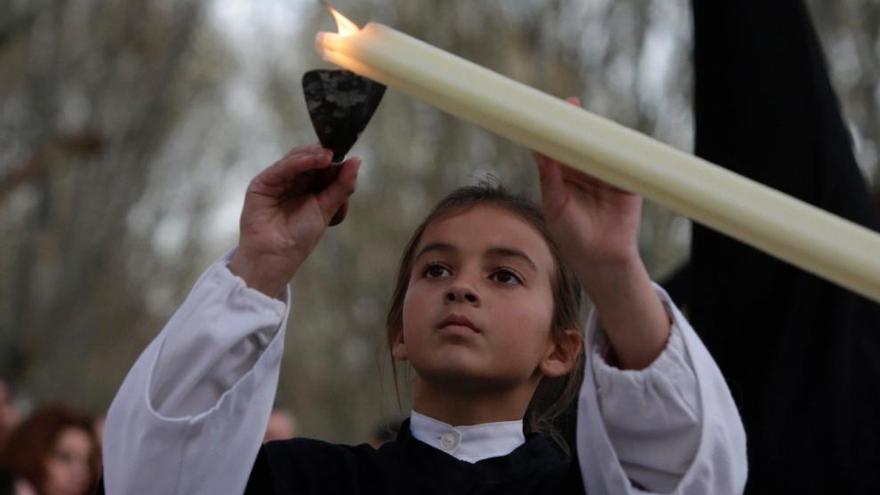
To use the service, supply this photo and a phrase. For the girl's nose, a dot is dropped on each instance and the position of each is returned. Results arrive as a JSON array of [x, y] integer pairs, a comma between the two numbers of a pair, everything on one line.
[[460, 293]]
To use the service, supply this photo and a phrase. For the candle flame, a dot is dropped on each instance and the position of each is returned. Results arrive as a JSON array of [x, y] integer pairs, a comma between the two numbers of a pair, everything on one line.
[[345, 26]]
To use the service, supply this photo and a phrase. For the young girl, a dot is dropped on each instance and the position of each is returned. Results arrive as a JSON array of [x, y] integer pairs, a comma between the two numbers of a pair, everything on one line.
[[486, 312]]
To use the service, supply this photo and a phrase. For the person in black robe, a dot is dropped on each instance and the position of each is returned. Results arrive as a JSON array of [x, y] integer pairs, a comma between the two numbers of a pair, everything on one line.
[[801, 355]]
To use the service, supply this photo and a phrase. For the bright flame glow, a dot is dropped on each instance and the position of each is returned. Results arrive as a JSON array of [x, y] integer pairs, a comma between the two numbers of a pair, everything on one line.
[[345, 26]]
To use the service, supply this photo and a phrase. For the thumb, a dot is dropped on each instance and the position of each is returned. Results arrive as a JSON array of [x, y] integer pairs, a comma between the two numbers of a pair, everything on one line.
[[552, 185], [553, 190]]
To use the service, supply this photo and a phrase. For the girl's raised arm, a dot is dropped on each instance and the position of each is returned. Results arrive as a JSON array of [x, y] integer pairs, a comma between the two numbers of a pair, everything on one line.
[[190, 415], [596, 227], [655, 414]]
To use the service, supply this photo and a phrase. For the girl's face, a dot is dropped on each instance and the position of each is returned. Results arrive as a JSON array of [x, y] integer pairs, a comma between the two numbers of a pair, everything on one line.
[[68, 470], [479, 306]]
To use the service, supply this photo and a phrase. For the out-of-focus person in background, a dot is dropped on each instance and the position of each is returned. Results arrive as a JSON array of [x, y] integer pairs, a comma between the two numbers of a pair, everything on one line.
[[98, 428], [9, 416], [55, 451], [282, 425], [8, 411], [12, 486]]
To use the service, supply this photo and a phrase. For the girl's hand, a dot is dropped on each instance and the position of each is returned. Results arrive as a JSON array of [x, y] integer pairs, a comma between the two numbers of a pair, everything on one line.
[[596, 227], [595, 224], [284, 216]]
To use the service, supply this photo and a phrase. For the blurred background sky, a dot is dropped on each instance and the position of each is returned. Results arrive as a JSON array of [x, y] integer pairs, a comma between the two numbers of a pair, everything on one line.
[[129, 130]]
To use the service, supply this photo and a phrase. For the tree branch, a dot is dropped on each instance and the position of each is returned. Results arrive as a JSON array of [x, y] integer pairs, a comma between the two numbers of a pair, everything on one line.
[[81, 144]]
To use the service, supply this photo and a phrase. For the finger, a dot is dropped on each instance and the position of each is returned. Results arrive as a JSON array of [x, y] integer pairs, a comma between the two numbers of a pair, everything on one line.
[[303, 149], [584, 180], [552, 184], [300, 150], [334, 197], [542, 158], [283, 172], [574, 100], [572, 174]]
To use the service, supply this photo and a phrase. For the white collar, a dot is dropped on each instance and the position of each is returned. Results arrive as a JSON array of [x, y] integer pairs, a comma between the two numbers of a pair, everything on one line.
[[471, 443]]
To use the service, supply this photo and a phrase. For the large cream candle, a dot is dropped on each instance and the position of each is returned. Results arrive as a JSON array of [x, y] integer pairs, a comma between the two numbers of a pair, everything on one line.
[[781, 225]]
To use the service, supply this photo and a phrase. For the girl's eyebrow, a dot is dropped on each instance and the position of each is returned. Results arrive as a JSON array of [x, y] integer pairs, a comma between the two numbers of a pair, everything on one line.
[[435, 246], [506, 252], [497, 251]]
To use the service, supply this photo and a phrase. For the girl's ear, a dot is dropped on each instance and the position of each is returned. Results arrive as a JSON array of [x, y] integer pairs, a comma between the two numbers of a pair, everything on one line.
[[398, 348], [563, 354]]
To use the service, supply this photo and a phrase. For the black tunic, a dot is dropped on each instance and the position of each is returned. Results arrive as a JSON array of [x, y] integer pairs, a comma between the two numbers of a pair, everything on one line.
[[801, 355], [407, 465]]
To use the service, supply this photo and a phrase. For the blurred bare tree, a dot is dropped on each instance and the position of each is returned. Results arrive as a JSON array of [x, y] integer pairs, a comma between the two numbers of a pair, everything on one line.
[[129, 129], [93, 93], [850, 32]]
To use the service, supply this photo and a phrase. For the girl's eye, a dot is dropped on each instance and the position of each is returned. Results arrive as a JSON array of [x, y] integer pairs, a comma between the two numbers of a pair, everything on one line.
[[506, 277], [436, 270]]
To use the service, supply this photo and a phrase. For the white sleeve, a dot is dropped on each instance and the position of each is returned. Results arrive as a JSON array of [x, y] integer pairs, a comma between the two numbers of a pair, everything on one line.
[[670, 428], [190, 415]]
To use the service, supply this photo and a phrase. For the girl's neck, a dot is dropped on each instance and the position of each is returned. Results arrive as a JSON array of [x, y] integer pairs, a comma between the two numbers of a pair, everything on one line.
[[462, 408]]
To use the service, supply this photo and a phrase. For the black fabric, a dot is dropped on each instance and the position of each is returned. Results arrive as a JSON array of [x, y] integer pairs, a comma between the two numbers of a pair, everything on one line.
[[801, 355], [7, 483], [678, 286], [408, 466]]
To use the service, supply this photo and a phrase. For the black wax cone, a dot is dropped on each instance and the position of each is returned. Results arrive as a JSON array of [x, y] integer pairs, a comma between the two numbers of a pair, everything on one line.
[[340, 104]]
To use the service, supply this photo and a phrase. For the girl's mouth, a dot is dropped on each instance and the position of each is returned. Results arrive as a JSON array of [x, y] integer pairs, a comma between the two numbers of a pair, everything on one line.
[[458, 320]]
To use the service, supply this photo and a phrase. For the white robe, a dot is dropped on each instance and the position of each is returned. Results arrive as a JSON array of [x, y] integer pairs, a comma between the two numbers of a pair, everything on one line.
[[190, 416]]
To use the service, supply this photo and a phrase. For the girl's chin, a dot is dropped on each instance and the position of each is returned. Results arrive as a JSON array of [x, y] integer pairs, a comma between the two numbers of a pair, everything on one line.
[[464, 376], [457, 361]]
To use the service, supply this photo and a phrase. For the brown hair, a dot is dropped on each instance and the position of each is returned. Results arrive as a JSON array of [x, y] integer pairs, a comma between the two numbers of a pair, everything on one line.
[[32, 442], [553, 395]]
